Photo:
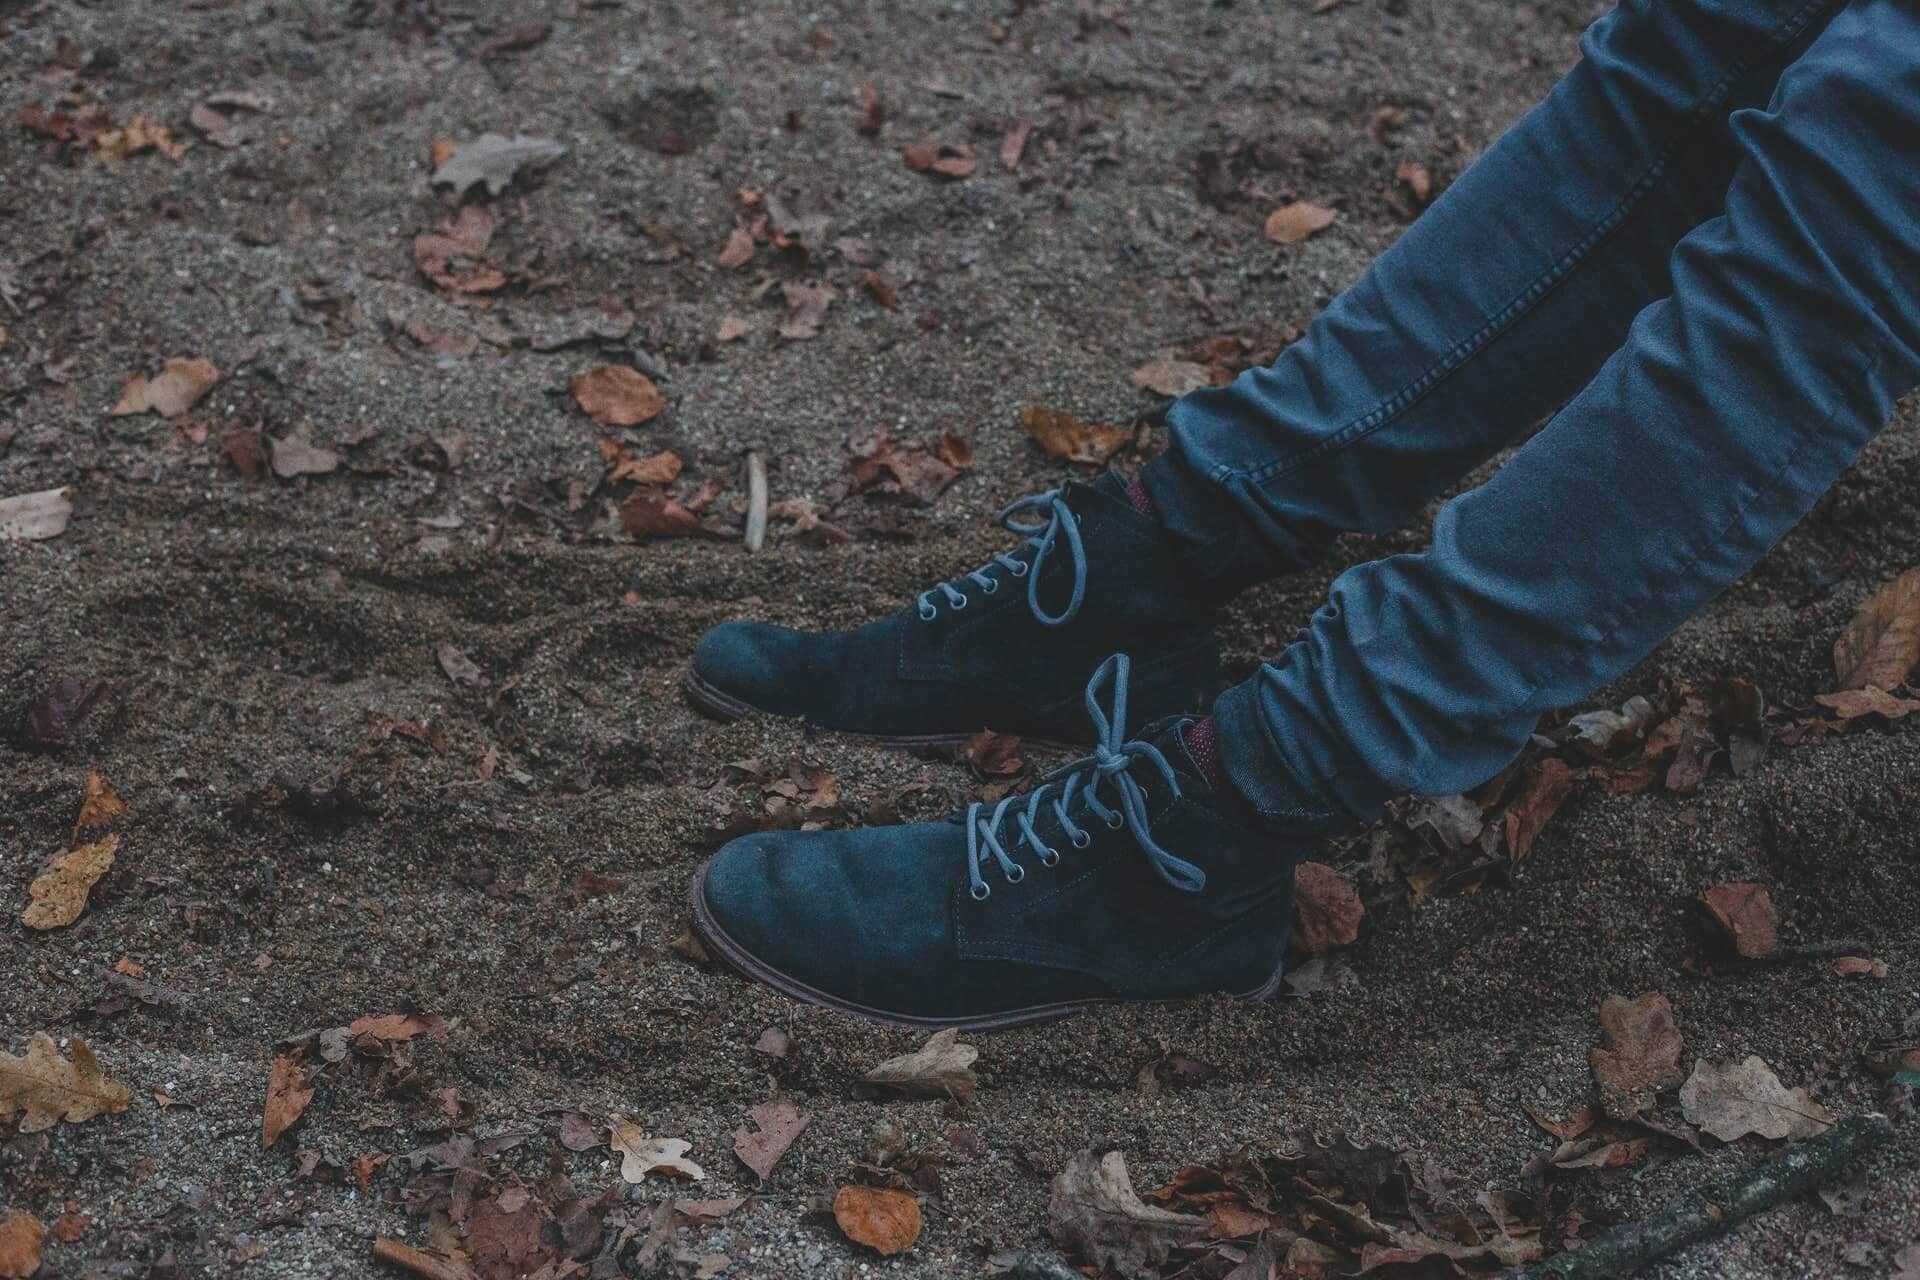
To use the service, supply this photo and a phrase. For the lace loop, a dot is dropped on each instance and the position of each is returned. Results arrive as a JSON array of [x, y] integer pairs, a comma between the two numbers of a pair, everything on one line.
[[1042, 537], [1078, 785]]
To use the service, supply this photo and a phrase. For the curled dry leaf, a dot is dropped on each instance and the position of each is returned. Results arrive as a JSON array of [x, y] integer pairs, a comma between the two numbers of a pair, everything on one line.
[[940, 1068], [430, 1264], [1417, 180], [641, 1155], [887, 1222], [1064, 436], [99, 807], [948, 159], [49, 1088], [397, 1027], [494, 161], [1855, 704], [732, 329], [1733, 1099], [777, 1125], [616, 396], [1860, 967], [1326, 909], [1881, 646], [1529, 814], [20, 1237], [293, 456], [807, 303], [1094, 1213], [35, 517], [649, 513], [288, 1094], [1639, 1053], [656, 469], [1745, 912], [1292, 223], [59, 893], [459, 667], [178, 386], [1172, 377], [454, 258]]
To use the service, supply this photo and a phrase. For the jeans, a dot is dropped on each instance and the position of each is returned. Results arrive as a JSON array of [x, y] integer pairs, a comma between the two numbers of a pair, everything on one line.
[[1703, 250]]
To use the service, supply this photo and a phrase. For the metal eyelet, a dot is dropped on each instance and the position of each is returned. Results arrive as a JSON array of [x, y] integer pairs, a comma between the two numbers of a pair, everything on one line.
[[1049, 857], [993, 585], [1016, 879], [1081, 839], [1117, 821], [1020, 568], [981, 892], [961, 603], [928, 613]]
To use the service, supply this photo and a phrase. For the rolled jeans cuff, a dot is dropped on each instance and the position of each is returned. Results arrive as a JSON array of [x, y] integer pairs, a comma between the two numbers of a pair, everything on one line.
[[1281, 781]]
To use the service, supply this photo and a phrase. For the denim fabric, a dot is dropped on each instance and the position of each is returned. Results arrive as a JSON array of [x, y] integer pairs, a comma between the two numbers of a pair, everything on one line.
[[1704, 246]]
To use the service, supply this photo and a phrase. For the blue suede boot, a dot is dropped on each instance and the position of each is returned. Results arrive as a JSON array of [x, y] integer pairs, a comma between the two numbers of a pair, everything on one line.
[[1006, 647], [1125, 876]]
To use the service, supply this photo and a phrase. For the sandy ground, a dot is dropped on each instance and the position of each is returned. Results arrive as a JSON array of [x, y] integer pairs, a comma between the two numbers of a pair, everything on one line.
[[290, 863]]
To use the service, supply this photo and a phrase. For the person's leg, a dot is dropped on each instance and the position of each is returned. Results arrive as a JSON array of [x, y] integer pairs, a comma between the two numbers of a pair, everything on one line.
[[1494, 308], [1793, 326]]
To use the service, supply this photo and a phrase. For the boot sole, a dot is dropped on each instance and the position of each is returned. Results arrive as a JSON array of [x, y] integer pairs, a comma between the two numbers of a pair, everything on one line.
[[743, 962], [709, 700]]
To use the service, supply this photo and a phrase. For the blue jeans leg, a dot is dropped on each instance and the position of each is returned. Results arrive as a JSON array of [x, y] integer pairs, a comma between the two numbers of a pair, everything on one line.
[[1495, 307], [1792, 327]]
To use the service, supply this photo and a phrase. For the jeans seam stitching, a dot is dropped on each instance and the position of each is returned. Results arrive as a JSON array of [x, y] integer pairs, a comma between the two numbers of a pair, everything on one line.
[[1461, 352]]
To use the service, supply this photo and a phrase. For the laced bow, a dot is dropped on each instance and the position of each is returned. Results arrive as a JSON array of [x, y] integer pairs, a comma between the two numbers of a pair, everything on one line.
[[1076, 788], [1042, 536]]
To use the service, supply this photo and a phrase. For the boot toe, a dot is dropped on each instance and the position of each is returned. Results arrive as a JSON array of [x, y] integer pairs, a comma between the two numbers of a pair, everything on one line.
[[742, 661]]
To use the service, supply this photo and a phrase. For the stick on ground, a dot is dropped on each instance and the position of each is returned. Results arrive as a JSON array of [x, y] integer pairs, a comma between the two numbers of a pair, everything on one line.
[[756, 500], [1719, 1204]]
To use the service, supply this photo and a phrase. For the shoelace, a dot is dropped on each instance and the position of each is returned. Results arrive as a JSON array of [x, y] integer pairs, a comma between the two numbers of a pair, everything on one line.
[[1112, 763], [1042, 536]]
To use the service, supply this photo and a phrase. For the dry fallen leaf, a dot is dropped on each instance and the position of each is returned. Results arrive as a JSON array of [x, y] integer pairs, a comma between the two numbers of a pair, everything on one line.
[[49, 1088], [617, 396], [495, 161], [459, 667], [35, 517], [940, 1068], [1746, 912], [885, 1221], [20, 1237], [948, 159], [397, 1027], [1326, 909], [1064, 436], [1881, 646], [1527, 816], [137, 135], [1639, 1054], [641, 1155], [1417, 179], [649, 513], [288, 1094], [1292, 223], [807, 304], [178, 386], [293, 456], [455, 257], [99, 806], [1860, 967], [1172, 377], [656, 469], [59, 893], [1094, 1213], [1733, 1099], [778, 1124], [732, 329], [1855, 704]]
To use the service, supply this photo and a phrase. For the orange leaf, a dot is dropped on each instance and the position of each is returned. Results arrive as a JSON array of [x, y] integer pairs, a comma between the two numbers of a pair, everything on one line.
[[1881, 646], [1292, 223], [1065, 436], [617, 396], [885, 1221], [1746, 912], [20, 1237], [287, 1096]]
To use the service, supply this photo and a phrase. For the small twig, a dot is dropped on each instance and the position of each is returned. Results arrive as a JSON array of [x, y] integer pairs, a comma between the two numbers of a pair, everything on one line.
[[422, 1262], [1829, 950], [756, 500], [1718, 1205]]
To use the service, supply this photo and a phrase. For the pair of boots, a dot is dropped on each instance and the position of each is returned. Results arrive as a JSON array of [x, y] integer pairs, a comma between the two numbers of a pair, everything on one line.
[[1134, 873]]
